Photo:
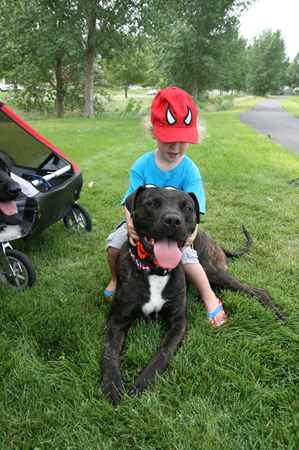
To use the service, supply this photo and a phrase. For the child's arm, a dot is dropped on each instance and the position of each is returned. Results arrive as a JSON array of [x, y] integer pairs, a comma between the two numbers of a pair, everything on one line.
[[133, 236], [190, 240]]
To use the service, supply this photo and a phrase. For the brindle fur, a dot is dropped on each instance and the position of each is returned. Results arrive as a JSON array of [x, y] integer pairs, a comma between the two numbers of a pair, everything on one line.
[[214, 260]]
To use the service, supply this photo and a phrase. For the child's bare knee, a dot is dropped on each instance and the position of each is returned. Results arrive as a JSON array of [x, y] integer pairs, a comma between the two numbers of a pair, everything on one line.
[[112, 252]]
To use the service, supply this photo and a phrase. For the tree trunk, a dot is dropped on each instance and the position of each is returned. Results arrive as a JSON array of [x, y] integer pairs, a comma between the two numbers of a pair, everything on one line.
[[126, 91], [60, 92], [194, 90], [90, 54]]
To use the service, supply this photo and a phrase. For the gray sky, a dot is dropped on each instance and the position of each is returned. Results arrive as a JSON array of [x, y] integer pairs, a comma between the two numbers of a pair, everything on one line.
[[273, 15]]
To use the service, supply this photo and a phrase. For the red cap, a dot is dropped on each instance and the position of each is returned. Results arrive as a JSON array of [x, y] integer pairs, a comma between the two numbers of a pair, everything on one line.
[[174, 116]]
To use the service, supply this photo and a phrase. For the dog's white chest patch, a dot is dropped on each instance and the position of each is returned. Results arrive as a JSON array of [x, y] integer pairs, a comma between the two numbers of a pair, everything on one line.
[[156, 302]]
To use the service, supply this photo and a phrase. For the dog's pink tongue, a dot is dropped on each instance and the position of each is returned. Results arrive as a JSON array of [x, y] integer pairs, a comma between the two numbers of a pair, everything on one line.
[[8, 208], [167, 254]]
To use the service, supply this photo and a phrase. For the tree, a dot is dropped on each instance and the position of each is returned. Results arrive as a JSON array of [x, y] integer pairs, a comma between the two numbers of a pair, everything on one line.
[[53, 43], [105, 25], [267, 63], [190, 37], [34, 52], [128, 66], [293, 72], [232, 67]]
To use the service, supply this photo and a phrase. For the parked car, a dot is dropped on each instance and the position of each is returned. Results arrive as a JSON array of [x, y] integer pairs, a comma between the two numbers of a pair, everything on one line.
[[4, 87]]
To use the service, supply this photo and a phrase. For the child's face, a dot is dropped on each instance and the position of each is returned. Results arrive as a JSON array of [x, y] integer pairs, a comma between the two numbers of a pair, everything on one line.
[[172, 152]]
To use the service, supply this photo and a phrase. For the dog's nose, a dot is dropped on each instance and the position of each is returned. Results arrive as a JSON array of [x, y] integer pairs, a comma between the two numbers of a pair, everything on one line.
[[172, 220]]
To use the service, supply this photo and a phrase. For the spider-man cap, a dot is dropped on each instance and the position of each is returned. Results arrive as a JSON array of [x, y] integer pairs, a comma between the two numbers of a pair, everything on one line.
[[174, 116]]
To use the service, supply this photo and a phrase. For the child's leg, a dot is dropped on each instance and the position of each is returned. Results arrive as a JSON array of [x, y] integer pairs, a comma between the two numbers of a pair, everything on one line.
[[114, 243], [195, 272], [112, 256]]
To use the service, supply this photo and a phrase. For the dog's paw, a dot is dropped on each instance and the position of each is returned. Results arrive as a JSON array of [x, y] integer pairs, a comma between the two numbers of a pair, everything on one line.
[[134, 391], [113, 389], [112, 393], [138, 387]]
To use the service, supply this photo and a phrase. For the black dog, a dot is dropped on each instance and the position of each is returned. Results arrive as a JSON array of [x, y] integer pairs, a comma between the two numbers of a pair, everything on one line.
[[162, 218], [9, 191]]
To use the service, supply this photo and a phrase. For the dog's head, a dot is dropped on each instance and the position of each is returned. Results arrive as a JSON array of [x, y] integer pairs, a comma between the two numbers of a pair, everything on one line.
[[9, 189], [164, 219]]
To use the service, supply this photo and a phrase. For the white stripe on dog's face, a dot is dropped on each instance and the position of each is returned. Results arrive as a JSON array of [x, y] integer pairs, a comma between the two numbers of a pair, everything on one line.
[[156, 301]]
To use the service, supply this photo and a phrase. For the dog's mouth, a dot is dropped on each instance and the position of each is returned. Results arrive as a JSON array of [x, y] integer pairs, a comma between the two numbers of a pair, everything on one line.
[[8, 208], [167, 253]]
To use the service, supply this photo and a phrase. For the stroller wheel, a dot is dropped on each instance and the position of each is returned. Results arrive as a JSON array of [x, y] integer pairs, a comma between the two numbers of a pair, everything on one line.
[[22, 273], [78, 219]]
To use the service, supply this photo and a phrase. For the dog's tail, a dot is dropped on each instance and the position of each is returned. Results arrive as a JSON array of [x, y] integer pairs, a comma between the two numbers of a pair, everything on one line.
[[242, 251]]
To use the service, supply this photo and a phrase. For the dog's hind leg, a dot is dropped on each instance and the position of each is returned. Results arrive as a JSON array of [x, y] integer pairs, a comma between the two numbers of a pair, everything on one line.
[[221, 279], [112, 385], [160, 360]]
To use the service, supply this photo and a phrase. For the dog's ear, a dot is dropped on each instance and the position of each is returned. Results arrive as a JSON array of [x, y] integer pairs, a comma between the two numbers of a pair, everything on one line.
[[130, 202], [196, 203], [6, 161]]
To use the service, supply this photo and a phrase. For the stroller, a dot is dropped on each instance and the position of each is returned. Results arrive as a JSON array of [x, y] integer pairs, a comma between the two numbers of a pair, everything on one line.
[[49, 186]]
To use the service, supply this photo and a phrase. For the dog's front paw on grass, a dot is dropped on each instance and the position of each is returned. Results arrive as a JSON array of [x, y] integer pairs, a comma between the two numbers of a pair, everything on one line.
[[139, 386], [113, 390], [134, 391]]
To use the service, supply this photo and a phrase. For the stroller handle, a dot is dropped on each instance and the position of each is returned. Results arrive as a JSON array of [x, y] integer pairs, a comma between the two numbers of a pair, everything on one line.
[[52, 175]]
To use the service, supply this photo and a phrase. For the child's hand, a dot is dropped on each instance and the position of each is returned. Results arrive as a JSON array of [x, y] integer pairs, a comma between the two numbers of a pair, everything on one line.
[[132, 235], [190, 240]]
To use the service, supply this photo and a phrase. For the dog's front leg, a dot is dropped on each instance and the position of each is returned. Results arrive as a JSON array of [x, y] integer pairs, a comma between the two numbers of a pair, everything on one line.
[[161, 359], [112, 385]]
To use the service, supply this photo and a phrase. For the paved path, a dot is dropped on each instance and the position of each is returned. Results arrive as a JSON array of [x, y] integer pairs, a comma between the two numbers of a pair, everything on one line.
[[268, 117]]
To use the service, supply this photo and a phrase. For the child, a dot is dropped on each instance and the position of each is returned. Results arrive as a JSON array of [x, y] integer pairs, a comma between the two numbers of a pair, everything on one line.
[[174, 127]]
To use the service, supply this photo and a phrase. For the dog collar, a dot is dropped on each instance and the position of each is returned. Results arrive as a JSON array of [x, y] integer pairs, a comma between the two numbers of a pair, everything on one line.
[[145, 262]]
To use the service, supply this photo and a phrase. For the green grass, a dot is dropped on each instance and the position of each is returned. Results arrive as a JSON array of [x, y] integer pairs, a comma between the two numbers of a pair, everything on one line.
[[233, 388], [291, 104]]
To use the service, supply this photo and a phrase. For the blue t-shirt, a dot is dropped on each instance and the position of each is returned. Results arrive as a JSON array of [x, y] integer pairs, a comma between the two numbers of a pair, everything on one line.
[[185, 176]]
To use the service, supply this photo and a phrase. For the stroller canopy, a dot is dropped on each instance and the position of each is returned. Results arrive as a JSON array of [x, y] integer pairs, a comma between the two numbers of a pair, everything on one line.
[[23, 144]]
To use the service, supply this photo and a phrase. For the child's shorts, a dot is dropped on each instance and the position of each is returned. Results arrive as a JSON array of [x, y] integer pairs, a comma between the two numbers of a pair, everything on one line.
[[119, 236]]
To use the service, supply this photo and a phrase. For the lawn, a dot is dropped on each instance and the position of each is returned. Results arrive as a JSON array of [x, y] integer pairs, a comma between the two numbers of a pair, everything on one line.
[[291, 104], [234, 388]]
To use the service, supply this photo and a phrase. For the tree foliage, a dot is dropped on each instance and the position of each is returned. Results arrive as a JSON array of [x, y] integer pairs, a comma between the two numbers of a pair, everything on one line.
[[191, 37], [54, 44], [56, 49], [104, 28], [232, 65], [34, 52], [267, 63], [128, 66], [293, 72]]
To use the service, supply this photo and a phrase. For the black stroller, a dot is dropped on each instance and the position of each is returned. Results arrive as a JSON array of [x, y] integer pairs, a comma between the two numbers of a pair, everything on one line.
[[48, 186]]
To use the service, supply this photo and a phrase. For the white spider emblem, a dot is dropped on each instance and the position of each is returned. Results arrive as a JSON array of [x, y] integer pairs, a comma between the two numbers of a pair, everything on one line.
[[188, 118], [170, 118]]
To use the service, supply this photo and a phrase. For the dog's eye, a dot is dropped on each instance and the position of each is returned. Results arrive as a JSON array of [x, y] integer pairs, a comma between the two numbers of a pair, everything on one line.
[[186, 206], [148, 203], [157, 203], [153, 203]]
